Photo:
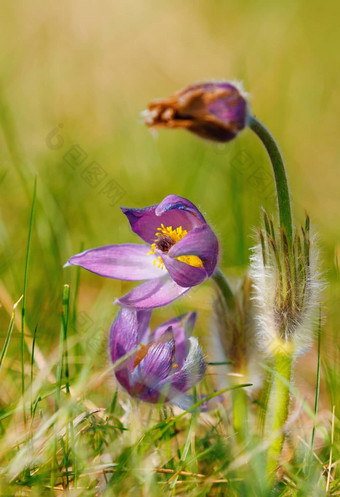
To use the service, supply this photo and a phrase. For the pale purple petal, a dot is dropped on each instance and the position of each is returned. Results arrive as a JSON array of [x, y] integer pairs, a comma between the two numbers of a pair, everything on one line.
[[123, 334], [156, 365], [181, 327], [127, 331], [201, 242], [123, 338], [153, 293], [143, 319], [172, 211], [183, 274], [186, 401], [128, 261], [190, 374]]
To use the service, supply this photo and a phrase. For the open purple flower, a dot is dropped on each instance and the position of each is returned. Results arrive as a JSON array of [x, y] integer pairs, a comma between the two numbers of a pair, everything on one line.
[[181, 252], [161, 366]]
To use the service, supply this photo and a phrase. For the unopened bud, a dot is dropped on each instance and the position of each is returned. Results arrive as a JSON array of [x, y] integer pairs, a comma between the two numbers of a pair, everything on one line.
[[287, 289], [211, 110]]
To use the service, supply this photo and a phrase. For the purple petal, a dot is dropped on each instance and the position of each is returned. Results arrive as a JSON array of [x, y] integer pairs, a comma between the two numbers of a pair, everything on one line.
[[128, 262], [127, 331], [201, 242], [190, 374], [181, 327], [155, 366], [180, 203], [172, 211], [183, 274], [122, 339], [153, 293], [186, 401]]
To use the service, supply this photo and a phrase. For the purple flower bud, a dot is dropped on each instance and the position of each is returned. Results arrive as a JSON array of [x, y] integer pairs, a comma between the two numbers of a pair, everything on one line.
[[215, 111], [160, 366]]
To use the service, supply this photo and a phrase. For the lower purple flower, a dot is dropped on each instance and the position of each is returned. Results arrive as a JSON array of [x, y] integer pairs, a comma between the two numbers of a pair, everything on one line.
[[181, 252], [160, 366]]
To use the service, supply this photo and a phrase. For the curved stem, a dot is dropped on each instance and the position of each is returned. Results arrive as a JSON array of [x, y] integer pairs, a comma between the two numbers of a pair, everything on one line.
[[283, 361], [280, 175], [224, 288]]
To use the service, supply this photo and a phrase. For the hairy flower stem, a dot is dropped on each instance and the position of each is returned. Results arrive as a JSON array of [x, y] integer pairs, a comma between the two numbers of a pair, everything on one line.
[[280, 175], [283, 361]]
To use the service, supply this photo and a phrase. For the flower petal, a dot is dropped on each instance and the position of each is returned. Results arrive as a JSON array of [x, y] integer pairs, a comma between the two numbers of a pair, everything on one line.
[[180, 204], [181, 327], [186, 401], [127, 261], [156, 364], [190, 374], [127, 331], [153, 293], [183, 274], [202, 242], [125, 334], [172, 211]]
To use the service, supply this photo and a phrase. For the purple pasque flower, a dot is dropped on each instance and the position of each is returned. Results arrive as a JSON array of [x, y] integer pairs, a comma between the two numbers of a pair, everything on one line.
[[161, 366], [217, 111], [181, 252]]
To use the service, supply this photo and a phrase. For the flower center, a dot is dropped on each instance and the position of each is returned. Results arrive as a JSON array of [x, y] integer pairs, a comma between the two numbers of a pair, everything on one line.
[[166, 237]]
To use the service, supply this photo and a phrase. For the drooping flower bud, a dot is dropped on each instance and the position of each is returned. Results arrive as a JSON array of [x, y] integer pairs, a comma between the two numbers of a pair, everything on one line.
[[287, 289], [216, 111]]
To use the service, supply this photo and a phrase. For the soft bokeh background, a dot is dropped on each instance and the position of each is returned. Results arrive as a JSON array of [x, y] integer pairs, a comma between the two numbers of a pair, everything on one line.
[[80, 72]]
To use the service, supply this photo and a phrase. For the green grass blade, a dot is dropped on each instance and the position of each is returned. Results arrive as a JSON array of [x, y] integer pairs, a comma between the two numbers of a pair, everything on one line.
[[23, 310], [8, 335], [317, 390]]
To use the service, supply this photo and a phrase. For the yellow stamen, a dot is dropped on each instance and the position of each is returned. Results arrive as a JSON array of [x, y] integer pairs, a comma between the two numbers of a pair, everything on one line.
[[176, 235]]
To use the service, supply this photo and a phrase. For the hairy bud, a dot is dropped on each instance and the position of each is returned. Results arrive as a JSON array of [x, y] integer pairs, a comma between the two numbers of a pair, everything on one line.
[[287, 288]]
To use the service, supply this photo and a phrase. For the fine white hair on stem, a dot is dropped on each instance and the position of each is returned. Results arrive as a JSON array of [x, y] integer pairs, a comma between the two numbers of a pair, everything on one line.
[[298, 317]]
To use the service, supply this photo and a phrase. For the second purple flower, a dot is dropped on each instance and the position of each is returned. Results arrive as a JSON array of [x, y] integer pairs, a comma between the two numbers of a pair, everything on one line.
[[181, 252], [161, 366]]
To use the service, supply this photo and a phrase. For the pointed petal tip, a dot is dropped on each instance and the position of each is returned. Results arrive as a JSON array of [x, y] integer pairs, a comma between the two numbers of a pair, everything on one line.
[[67, 264]]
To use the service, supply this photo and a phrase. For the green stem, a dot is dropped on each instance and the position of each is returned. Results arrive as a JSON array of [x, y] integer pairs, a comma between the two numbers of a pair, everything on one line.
[[265, 396], [280, 175], [224, 288], [283, 361], [240, 414]]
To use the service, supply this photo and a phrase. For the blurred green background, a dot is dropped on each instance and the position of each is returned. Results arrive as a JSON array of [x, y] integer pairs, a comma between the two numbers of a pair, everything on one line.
[[80, 72]]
